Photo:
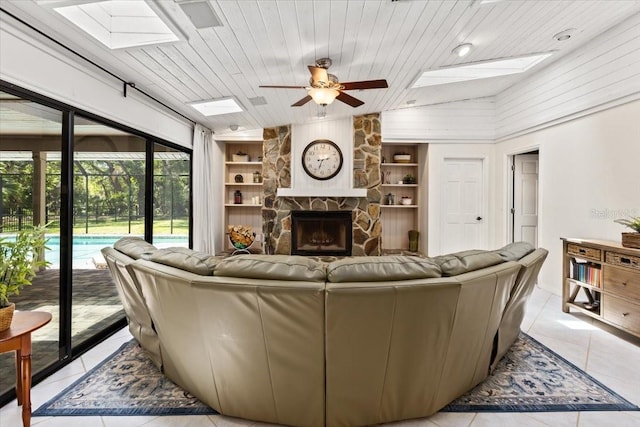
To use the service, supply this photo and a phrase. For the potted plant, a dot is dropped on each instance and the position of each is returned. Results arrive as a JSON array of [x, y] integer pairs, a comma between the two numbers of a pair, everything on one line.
[[20, 259], [408, 179], [631, 240]]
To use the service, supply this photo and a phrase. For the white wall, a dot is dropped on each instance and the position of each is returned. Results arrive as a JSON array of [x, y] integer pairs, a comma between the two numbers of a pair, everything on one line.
[[28, 61], [589, 175]]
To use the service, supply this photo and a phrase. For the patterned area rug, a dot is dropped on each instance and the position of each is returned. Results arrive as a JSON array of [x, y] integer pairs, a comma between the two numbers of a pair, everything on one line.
[[533, 378], [530, 378]]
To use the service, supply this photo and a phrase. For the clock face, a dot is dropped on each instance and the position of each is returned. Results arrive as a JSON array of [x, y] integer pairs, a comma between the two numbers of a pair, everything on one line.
[[322, 159]]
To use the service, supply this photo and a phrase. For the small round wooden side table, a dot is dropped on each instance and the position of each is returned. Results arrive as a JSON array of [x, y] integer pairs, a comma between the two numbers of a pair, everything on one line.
[[18, 338]]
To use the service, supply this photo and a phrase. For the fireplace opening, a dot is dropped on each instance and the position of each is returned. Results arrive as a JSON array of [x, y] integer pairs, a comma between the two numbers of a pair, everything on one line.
[[321, 233]]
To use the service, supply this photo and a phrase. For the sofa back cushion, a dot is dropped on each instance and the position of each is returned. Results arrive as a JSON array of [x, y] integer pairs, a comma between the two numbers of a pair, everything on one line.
[[466, 261], [272, 267], [515, 251], [382, 268], [133, 246], [186, 259]]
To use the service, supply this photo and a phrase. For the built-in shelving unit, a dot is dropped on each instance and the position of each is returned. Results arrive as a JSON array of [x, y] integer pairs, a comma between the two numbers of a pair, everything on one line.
[[249, 211], [602, 280], [398, 218]]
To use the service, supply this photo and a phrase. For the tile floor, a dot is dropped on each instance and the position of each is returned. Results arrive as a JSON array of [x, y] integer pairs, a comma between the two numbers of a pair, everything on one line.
[[610, 357]]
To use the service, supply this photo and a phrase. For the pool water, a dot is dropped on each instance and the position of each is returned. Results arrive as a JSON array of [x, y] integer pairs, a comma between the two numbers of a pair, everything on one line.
[[86, 247]]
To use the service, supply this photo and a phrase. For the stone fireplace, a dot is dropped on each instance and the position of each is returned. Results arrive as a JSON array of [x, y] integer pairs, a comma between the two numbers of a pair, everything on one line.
[[366, 228], [321, 233]]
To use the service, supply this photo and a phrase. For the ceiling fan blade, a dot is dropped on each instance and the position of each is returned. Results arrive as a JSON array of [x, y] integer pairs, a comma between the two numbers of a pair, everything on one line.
[[286, 87], [366, 84], [319, 74], [348, 99], [302, 101]]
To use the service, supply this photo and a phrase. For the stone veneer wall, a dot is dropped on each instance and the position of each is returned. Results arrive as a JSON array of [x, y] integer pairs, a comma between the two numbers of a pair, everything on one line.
[[276, 171]]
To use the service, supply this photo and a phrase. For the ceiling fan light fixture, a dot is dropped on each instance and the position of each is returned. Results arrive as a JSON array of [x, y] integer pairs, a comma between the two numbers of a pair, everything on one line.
[[323, 96], [462, 49]]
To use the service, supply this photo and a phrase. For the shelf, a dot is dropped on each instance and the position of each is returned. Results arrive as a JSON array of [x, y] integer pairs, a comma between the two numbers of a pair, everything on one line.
[[580, 307], [241, 205], [246, 184], [584, 285], [244, 163], [399, 164], [399, 206], [400, 185]]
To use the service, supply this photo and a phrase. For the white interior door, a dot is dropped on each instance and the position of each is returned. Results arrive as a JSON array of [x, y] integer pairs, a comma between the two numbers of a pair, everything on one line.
[[525, 198], [463, 205]]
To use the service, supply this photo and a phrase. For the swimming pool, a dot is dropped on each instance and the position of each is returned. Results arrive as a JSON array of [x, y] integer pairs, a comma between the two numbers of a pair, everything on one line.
[[86, 247]]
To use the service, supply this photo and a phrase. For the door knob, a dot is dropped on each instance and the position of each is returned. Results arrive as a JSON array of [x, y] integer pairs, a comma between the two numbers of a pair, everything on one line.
[[479, 218]]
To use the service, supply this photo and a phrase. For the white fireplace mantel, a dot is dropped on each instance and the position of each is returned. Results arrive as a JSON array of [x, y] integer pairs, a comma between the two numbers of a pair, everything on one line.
[[321, 192]]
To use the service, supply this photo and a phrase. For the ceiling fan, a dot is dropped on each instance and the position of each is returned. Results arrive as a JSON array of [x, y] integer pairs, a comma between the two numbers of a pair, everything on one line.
[[324, 87]]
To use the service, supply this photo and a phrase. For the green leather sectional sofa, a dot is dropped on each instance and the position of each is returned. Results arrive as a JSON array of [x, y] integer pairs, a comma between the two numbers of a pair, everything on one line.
[[295, 341]]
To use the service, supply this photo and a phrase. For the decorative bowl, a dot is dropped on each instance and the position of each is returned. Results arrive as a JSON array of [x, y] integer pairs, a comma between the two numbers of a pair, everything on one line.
[[241, 237], [406, 201], [402, 158]]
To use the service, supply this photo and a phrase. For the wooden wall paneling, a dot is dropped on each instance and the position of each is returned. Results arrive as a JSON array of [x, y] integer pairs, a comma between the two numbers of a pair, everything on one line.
[[606, 69], [463, 120]]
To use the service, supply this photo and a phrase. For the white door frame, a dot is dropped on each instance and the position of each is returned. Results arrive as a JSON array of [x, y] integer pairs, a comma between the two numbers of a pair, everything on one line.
[[509, 181]]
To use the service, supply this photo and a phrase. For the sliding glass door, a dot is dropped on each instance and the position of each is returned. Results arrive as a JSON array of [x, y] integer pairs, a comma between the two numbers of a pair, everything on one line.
[[30, 149], [92, 182], [108, 203]]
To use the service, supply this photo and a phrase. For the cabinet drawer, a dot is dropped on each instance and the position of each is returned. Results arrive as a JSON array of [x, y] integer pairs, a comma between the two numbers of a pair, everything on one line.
[[624, 283], [623, 313], [584, 252], [623, 260]]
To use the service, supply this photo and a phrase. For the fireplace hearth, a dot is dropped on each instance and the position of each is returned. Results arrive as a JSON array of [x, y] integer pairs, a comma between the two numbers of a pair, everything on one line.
[[321, 233]]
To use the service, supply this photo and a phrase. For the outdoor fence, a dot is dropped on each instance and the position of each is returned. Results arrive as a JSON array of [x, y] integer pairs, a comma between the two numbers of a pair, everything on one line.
[[15, 220]]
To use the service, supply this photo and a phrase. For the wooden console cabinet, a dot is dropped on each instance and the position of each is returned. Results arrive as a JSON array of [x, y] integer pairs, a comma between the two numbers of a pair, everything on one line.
[[602, 279]]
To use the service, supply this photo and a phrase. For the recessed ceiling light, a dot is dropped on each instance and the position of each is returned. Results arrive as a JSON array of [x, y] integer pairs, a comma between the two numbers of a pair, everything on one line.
[[478, 70], [216, 107], [564, 35], [462, 49], [120, 24]]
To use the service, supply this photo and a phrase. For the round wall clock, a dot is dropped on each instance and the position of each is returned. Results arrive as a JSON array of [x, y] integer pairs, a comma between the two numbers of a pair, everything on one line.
[[322, 159]]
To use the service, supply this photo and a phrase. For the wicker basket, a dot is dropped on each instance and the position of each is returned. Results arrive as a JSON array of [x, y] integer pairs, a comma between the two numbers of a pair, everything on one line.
[[631, 240], [6, 316]]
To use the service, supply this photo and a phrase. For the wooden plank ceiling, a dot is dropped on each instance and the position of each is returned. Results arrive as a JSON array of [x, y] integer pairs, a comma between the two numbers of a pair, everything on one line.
[[269, 42]]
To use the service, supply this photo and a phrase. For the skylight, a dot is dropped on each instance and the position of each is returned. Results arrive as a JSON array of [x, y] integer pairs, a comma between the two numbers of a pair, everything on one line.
[[119, 23], [216, 107], [479, 70]]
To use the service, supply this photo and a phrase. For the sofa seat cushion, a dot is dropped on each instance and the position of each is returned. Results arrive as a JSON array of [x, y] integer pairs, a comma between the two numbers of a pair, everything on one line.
[[186, 259], [133, 246], [382, 268], [272, 267], [515, 251], [466, 261]]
